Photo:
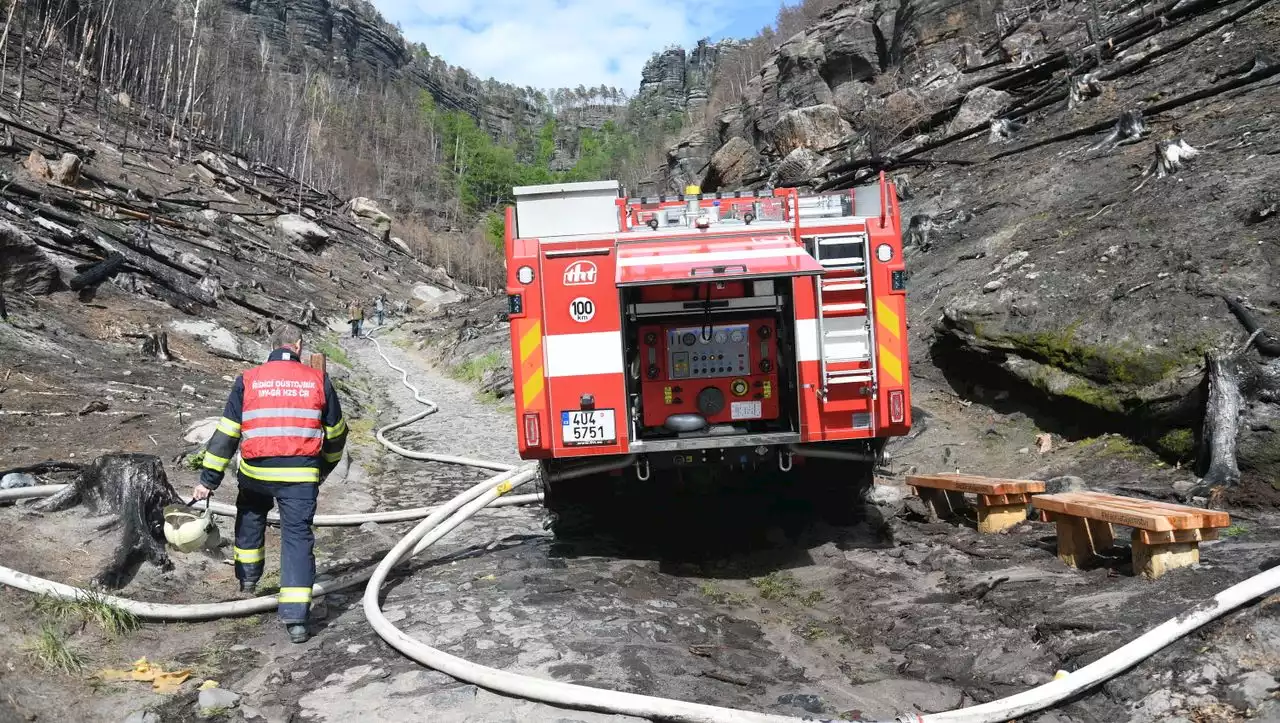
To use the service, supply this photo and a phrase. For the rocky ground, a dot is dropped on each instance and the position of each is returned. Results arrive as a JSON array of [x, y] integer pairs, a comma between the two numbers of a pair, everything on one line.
[[890, 615]]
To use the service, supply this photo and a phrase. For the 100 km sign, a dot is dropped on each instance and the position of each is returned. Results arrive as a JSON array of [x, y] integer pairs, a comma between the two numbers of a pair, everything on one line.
[[582, 309]]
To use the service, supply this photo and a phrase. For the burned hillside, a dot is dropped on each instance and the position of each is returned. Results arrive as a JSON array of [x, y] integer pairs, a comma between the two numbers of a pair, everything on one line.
[[1087, 192]]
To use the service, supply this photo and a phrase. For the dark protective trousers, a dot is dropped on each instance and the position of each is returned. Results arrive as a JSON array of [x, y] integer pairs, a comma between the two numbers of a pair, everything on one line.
[[297, 545]]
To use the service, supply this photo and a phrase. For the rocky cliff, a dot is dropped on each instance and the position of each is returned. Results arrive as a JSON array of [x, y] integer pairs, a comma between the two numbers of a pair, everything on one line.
[[678, 82], [1075, 216], [352, 39]]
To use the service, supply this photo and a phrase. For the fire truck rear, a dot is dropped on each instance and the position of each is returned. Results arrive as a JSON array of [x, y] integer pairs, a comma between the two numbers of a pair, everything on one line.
[[676, 336]]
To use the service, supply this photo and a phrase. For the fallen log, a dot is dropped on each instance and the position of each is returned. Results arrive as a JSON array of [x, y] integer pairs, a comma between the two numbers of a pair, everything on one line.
[[98, 273], [133, 489], [1182, 43], [1266, 342], [84, 152], [162, 274]]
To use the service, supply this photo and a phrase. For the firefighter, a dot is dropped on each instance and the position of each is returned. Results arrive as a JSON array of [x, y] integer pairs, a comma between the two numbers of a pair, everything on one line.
[[380, 307], [286, 420], [355, 315]]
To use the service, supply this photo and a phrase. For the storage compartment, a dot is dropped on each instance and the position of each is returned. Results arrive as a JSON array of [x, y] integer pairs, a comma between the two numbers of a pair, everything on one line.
[[567, 209], [710, 365]]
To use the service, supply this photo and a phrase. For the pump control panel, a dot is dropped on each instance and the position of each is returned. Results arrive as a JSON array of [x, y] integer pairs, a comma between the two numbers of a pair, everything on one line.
[[709, 351], [724, 372]]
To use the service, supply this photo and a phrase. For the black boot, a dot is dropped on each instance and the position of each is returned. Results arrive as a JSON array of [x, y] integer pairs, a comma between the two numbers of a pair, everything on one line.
[[298, 632], [248, 588]]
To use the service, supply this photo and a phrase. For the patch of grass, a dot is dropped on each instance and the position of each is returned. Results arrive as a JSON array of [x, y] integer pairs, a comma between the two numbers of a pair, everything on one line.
[[776, 586], [269, 581], [194, 461], [332, 351], [209, 663], [716, 595], [49, 650], [811, 598], [474, 369], [360, 430], [91, 606], [1114, 445], [1235, 531], [812, 631]]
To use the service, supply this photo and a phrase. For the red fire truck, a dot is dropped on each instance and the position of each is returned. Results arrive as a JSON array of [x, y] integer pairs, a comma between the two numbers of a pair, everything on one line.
[[742, 331]]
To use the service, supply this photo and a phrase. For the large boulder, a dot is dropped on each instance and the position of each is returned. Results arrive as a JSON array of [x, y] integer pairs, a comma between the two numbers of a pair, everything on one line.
[[433, 297], [365, 211], [731, 166], [24, 267], [815, 127], [797, 168], [980, 105], [302, 232]]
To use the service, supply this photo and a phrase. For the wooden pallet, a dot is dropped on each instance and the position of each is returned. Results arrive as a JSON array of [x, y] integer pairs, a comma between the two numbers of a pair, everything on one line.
[[1002, 503], [1165, 536]]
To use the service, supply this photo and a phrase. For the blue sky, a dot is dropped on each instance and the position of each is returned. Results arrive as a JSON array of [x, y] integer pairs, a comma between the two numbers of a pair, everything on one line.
[[565, 43]]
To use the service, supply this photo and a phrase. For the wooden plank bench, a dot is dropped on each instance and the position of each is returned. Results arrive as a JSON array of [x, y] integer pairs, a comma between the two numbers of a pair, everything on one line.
[[1002, 503], [1165, 536]]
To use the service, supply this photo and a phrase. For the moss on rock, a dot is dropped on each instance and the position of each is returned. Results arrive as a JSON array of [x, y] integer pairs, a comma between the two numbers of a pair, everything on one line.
[[1179, 443], [1120, 364]]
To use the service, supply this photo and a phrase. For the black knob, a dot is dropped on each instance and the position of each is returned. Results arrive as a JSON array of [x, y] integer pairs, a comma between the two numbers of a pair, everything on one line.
[[765, 332], [766, 366], [651, 338], [654, 371], [710, 401]]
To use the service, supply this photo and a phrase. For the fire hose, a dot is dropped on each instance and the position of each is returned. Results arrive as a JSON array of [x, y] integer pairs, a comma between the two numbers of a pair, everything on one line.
[[440, 521]]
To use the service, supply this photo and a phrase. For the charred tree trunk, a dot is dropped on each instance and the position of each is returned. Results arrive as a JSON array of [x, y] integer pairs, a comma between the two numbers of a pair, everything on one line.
[[134, 489], [1222, 419], [156, 345]]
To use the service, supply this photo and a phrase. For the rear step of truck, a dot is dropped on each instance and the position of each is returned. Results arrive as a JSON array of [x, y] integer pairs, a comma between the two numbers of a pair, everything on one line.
[[845, 332]]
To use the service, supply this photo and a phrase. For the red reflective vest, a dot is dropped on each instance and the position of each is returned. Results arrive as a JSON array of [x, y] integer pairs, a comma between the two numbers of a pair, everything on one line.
[[283, 403]]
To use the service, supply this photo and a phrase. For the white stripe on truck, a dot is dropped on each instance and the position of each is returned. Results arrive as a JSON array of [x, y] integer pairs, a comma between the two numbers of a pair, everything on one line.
[[579, 355], [626, 259]]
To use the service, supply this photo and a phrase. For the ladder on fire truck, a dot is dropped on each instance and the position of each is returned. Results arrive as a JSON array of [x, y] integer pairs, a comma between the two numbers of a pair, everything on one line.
[[846, 336]]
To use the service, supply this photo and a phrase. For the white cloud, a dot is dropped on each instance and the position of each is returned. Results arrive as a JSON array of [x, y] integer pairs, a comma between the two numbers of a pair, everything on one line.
[[561, 43]]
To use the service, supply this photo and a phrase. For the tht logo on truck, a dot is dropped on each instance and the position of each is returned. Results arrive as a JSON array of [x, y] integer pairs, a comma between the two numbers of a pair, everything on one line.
[[580, 273]]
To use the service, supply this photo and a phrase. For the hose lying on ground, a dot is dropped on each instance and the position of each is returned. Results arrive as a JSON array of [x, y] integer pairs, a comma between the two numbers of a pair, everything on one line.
[[443, 519]]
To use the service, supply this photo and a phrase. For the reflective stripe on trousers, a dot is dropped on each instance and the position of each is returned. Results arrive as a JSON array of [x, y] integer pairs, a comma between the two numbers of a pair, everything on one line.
[[297, 547]]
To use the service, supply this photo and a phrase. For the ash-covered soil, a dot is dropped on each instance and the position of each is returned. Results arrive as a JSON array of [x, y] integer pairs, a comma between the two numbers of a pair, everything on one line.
[[886, 616]]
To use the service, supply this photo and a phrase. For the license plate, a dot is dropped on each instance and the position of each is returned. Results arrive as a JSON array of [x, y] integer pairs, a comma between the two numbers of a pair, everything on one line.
[[744, 410], [588, 427]]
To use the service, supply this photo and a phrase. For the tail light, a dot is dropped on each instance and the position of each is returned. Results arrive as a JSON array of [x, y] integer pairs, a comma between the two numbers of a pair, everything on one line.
[[532, 430], [897, 409]]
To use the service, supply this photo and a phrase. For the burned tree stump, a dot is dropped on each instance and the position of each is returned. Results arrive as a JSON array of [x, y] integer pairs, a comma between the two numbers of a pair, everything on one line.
[[1222, 419], [156, 345], [1240, 413], [134, 489]]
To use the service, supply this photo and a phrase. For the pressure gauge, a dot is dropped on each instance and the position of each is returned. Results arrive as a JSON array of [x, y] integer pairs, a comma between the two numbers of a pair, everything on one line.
[[736, 336], [525, 275], [884, 252], [720, 337]]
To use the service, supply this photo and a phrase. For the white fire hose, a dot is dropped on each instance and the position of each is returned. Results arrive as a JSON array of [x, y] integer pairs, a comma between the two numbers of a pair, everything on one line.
[[441, 520]]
